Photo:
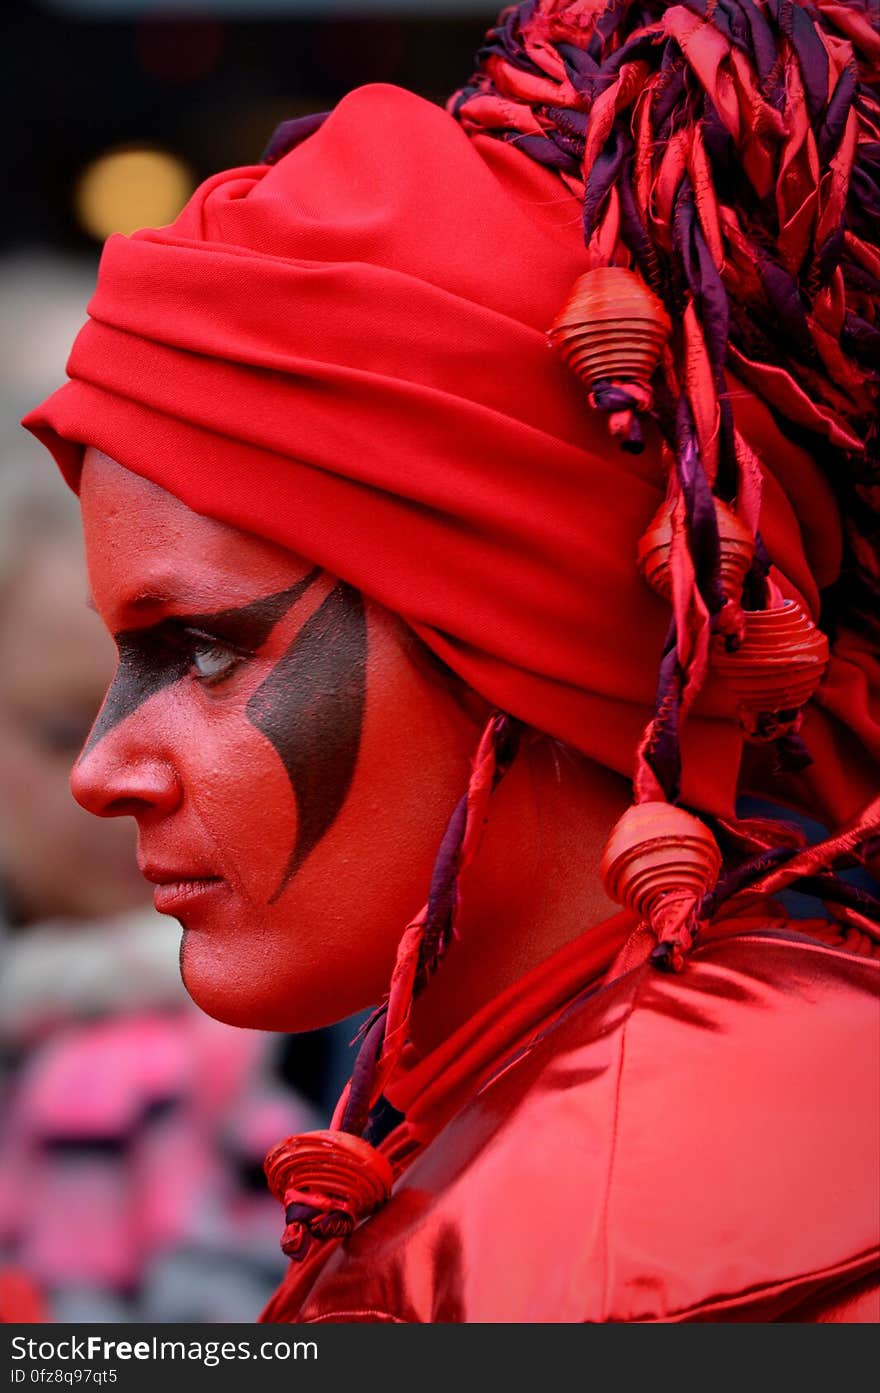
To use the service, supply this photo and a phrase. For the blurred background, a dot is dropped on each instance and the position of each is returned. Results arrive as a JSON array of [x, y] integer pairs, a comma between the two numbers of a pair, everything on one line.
[[132, 1127]]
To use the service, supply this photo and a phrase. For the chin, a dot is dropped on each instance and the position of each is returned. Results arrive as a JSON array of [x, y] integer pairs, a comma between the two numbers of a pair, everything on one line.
[[251, 993]]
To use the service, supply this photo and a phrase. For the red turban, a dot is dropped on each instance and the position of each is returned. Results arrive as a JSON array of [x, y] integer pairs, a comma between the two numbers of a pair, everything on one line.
[[346, 353]]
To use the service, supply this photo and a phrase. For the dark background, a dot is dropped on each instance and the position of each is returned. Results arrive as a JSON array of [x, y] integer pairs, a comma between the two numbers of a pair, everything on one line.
[[209, 85]]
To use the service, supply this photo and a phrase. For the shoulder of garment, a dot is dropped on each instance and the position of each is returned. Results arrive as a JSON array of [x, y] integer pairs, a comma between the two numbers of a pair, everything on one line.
[[693, 1147]]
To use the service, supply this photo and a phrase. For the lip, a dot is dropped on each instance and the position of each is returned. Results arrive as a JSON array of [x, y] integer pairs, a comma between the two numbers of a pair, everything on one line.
[[176, 888], [172, 895]]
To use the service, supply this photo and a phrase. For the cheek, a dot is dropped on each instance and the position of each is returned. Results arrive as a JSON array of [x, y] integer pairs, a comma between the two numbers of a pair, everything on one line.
[[325, 947], [420, 742], [370, 873], [243, 802]]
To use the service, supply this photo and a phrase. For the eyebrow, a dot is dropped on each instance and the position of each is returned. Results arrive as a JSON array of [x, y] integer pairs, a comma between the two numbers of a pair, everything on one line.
[[264, 610], [145, 600]]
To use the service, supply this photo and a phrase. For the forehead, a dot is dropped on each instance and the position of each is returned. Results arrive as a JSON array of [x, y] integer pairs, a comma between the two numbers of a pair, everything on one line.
[[145, 546]]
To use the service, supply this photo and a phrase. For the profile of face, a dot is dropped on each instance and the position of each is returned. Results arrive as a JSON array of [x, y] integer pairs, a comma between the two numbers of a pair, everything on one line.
[[289, 755], [55, 662]]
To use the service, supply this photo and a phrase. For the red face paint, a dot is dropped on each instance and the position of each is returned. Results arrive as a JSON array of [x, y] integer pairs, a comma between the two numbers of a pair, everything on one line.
[[288, 757]]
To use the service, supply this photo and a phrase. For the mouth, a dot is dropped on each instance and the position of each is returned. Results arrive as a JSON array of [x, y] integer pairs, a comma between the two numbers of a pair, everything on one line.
[[176, 894], [174, 889]]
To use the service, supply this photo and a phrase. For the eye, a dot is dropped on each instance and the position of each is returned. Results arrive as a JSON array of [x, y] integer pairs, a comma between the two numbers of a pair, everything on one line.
[[210, 659]]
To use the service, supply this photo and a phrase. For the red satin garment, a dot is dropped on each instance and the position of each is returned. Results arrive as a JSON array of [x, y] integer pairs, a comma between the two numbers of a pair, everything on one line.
[[701, 1147]]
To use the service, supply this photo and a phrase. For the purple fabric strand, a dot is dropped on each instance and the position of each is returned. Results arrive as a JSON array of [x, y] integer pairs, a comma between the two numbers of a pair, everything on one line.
[[792, 755], [717, 139], [442, 894], [634, 233], [606, 26], [289, 134], [702, 522], [713, 296], [572, 146], [572, 123], [824, 885], [581, 68], [504, 39], [828, 258], [762, 46], [732, 20], [547, 152], [860, 279], [755, 585], [831, 130], [811, 54], [838, 891], [610, 398], [602, 175], [640, 46], [862, 339], [863, 206], [727, 18], [357, 1109], [744, 875], [785, 298], [673, 70], [711, 302], [506, 736], [703, 278], [664, 751]]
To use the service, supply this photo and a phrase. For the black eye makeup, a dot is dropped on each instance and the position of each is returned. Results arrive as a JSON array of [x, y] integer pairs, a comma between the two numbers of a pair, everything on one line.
[[211, 660], [311, 708], [208, 646], [180, 650]]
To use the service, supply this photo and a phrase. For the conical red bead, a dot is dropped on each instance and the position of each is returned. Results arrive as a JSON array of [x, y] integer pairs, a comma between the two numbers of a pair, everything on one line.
[[657, 849], [612, 326]]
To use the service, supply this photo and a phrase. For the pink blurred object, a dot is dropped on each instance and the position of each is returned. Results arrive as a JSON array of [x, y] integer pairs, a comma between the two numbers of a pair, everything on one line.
[[130, 1138]]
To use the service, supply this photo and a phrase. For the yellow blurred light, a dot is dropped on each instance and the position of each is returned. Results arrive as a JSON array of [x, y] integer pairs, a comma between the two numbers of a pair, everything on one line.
[[127, 189]]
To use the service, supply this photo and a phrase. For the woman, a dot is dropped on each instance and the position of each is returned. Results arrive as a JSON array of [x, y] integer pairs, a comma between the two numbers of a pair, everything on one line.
[[320, 444]]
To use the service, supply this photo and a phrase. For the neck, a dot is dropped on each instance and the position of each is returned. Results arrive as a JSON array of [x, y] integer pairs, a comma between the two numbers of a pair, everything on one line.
[[533, 885]]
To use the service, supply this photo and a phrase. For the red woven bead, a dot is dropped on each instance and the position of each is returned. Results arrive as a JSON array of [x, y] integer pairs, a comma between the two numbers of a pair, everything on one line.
[[736, 543], [341, 1176], [612, 326], [777, 667], [657, 850]]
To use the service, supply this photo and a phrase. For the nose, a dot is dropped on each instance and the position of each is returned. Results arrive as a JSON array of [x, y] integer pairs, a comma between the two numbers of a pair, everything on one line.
[[116, 779]]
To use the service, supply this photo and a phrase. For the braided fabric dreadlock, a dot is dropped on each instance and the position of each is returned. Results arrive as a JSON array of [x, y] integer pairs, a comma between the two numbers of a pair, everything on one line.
[[728, 152]]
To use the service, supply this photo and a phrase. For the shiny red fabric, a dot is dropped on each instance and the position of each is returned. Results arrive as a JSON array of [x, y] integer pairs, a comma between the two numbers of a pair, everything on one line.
[[346, 353], [716, 1154]]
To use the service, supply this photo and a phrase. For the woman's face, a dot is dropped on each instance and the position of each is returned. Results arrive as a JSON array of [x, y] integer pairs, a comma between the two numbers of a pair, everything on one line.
[[288, 756]]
